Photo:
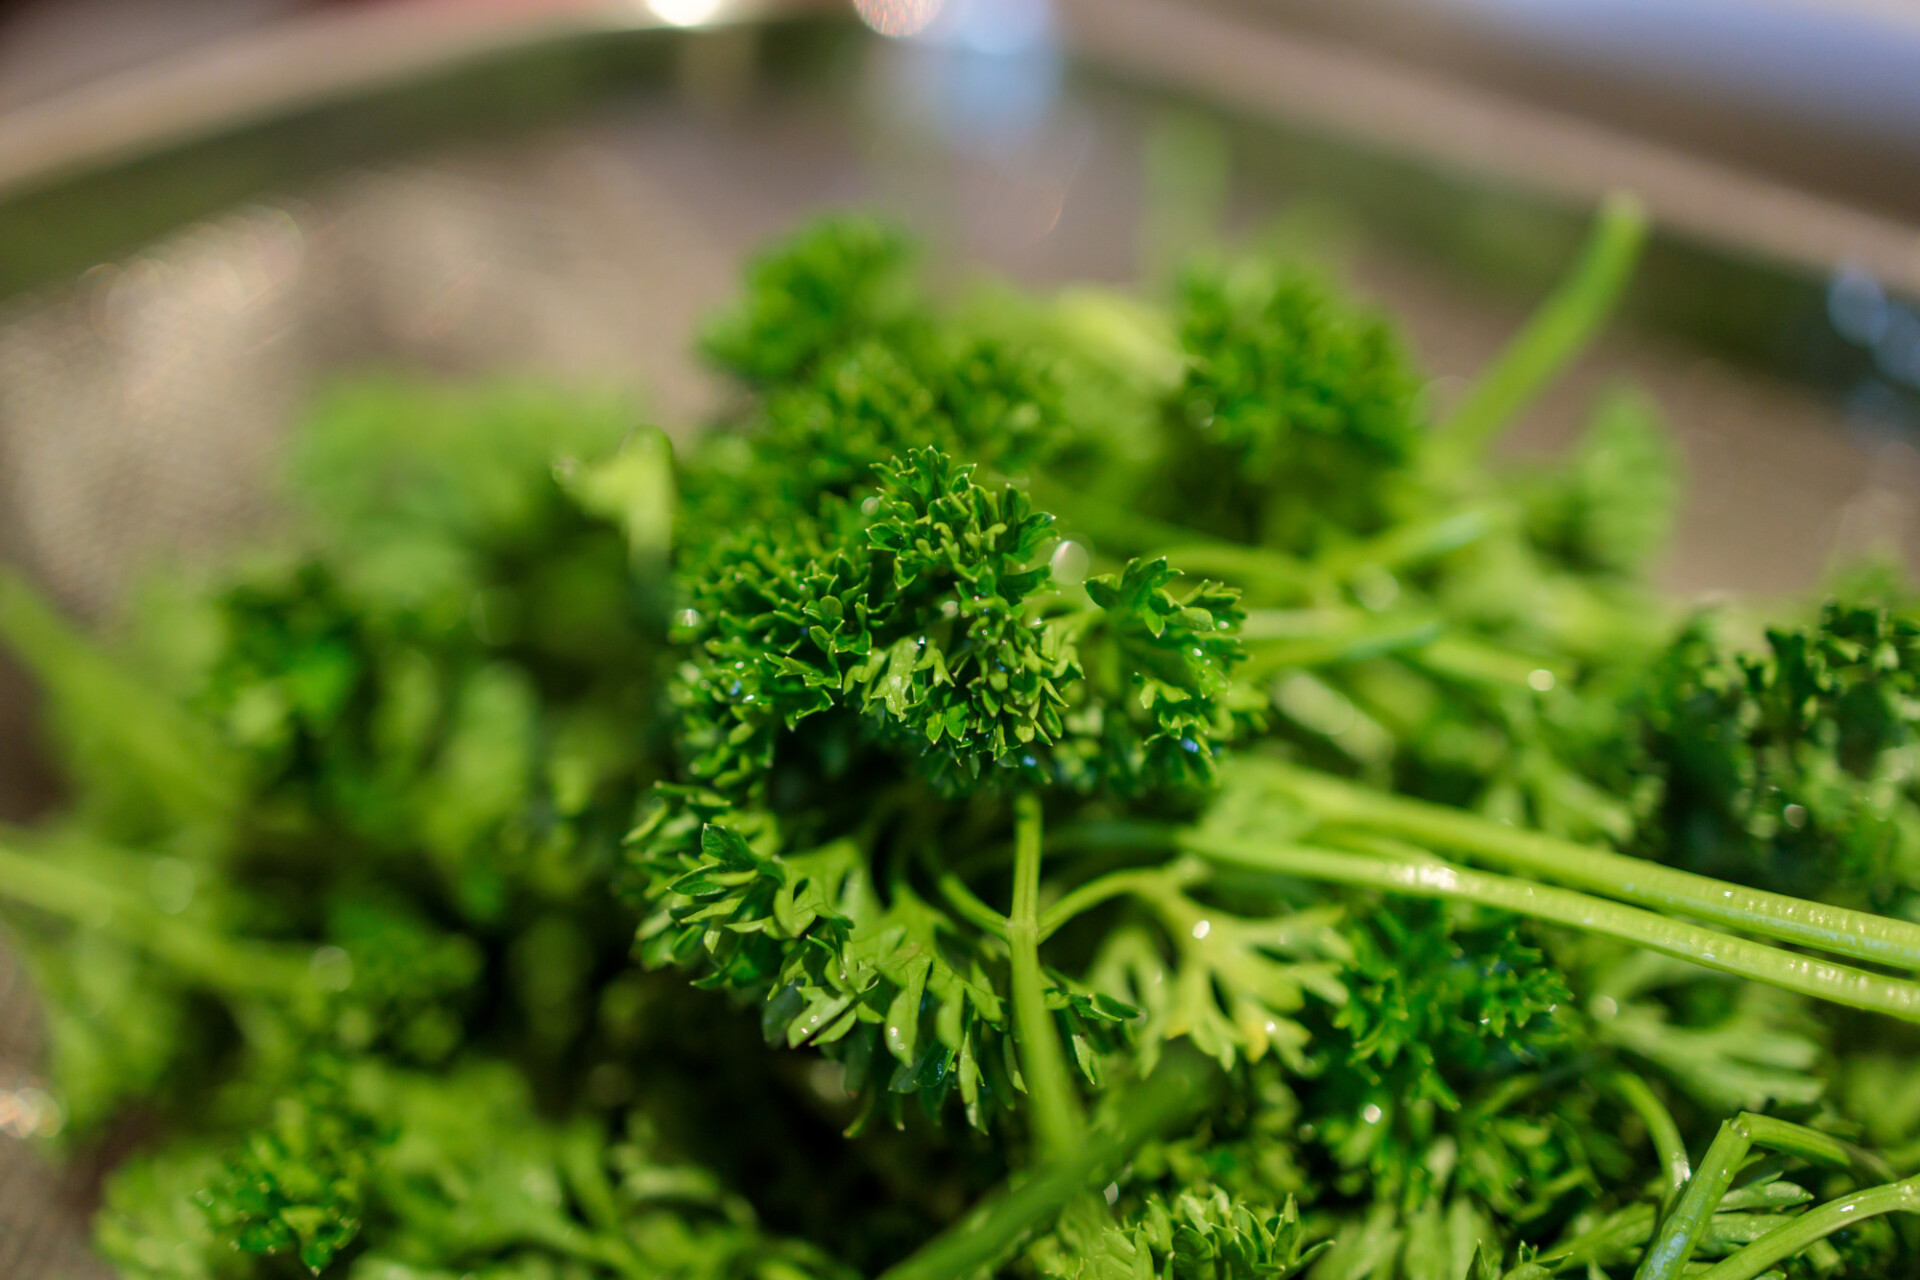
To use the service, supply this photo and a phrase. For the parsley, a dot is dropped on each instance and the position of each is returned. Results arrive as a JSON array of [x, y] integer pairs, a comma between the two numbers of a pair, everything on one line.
[[1065, 787]]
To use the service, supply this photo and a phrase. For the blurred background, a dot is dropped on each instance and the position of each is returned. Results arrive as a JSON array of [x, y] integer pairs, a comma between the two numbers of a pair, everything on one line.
[[207, 207]]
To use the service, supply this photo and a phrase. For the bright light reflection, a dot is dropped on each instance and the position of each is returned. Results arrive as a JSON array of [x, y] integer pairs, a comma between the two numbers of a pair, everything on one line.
[[999, 27], [897, 17], [684, 13], [1857, 305]]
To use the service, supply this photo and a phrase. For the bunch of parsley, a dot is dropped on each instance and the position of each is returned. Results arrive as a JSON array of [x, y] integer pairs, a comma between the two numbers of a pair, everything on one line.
[[1136, 793]]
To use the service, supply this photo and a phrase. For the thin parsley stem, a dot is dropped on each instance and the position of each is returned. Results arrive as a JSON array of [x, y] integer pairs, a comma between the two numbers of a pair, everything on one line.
[[1665, 1134], [1617, 1233], [1836, 930], [192, 768], [1057, 1120], [1180, 1086], [48, 887], [1408, 544], [1095, 892], [1679, 1232], [968, 906], [1458, 656], [1565, 323], [1398, 548], [1130, 835], [1112, 524], [1285, 654], [1259, 567], [1822, 979], [1281, 639], [1789, 1239]]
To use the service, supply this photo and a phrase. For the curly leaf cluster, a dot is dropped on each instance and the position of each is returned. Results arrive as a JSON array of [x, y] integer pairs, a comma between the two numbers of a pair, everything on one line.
[[915, 616], [1198, 1234], [1161, 666], [1793, 769], [982, 685], [776, 616], [1610, 508], [299, 1185], [1429, 999], [1294, 405], [814, 294], [410, 983], [989, 401]]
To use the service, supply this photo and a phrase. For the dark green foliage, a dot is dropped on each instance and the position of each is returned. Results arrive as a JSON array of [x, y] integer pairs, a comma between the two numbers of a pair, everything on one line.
[[990, 401], [1162, 666], [412, 984], [1435, 1097], [909, 615], [1610, 509], [817, 293], [478, 1178], [1293, 406], [298, 1186], [1430, 998], [1790, 769], [984, 689]]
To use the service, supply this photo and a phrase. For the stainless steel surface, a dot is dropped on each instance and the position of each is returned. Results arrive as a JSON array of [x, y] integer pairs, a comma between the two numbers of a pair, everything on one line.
[[305, 58], [52, 48], [1814, 93], [1347, 92], [143, 398]]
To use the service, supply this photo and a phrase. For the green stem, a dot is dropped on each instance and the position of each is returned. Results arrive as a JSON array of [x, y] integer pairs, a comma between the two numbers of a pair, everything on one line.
[[1057, 1121], [1257, 567], [1620, 1231], [1464, 658], [1661, 1128], [1836, 930], [1555, 334], [1709, 948], [1279, 639], [219, 962], [1114, 885], [1125, 835], [1816, 1224], [1266, 625], [1268, 656], [1397, 548], [1179, 1087], [1408, 544], [967, 904], [1111, 524], [189, 767], [1673, 1244]]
